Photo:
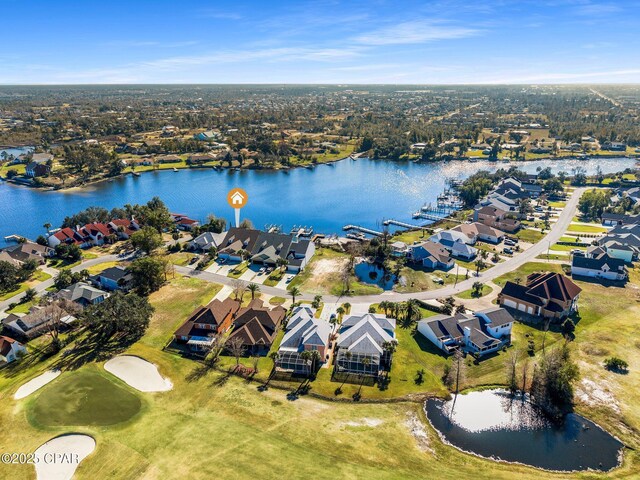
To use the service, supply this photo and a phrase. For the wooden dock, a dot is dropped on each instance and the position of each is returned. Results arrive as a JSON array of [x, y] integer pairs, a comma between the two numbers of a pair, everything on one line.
[[403, 224], [358, 228]]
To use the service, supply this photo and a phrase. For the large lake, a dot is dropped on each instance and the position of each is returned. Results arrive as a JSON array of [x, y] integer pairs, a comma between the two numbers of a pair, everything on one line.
[[363, 192]]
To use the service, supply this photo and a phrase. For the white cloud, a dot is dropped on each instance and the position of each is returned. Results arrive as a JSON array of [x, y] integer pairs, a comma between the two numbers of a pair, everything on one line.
[[415, 32]]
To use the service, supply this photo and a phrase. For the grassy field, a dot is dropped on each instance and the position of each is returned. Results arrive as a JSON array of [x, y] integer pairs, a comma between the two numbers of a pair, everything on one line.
[[294, 436], [530, 236], [586, 228], [84, 398], [468, 294], [37, 277]]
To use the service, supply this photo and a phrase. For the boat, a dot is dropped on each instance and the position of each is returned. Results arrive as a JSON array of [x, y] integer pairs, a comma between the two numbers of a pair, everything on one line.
[[175, 169], [473, 160], [135, 174]]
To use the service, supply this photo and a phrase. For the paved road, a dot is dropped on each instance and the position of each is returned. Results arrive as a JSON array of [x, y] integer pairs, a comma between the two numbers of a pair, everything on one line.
[[42, 286], [557, 231]]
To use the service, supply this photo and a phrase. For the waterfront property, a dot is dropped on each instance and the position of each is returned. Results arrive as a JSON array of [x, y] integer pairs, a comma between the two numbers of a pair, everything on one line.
[[94, 234], [206, 241], [495, 217], [365, 344], [480, 231], [304, 333], [265, 248], [431, 255], [205, 323], [256, 326], [481, 333], [547, 295], [22, 252], [456, 243]]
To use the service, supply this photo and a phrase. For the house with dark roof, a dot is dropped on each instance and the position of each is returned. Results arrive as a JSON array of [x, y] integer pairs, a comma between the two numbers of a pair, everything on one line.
[[599, 265], [113, 278], [612, 219], [481, 333], [304, 333], [38, 166], [431, 255], [495, 217], [23, 252], [34, 323], [547, 295], [205, 323], [207, 240], [256, 325], [10, 350], [237, 241], [83, 294], [365, 345]]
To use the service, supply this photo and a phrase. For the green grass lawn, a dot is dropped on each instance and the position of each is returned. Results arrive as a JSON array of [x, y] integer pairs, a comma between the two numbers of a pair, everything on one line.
[[87, 397], [559, 204], [530, 236], [275, 277], [469, 294], [238, 270], [418, 280], [348, 440], [586, 228], [37, 277]]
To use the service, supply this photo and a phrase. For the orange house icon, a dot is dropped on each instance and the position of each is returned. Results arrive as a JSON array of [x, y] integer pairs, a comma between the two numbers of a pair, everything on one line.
[[237, 198]]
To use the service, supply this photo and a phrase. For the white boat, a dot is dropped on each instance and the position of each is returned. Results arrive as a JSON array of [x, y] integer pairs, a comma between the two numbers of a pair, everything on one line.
[[175, 169]]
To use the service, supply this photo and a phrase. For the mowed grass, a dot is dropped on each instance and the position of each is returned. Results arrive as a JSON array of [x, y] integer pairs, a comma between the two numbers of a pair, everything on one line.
[[469, 294], [83, 398], [586, 228], [283, 436]]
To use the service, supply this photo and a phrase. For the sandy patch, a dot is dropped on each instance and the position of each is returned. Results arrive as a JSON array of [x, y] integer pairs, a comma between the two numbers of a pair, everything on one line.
[[328, 266], [594, 394], [418, 431], [60, 456], [35, 384], [364, 422], [138, 373]]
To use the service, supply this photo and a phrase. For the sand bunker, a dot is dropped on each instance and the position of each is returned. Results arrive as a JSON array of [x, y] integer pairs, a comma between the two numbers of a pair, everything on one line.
[[59, 458], [138, 373], [35, 384]]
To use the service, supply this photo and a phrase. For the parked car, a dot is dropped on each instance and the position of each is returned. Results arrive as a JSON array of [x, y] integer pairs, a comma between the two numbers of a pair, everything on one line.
[[194, 260], [511, 243], [578, 253], [262, 270], [290, 278], [508, 251]]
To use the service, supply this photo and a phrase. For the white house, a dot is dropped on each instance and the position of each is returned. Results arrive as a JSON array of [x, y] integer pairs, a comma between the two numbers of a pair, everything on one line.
[[10, 349], [601, 266], [484, 332]]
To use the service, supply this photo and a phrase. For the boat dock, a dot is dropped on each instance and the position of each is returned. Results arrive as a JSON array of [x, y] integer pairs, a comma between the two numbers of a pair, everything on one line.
[[13, 238], [301, 231], [434, 217], [358, 228], [402, 224]]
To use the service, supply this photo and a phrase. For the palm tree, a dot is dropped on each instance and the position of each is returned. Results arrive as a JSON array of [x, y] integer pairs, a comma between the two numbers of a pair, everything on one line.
[[282, 262], [413, 309], [340, 312], [253, 288], [479, 265], [47, 226], [317, 300], [294, 292], [347, 307]]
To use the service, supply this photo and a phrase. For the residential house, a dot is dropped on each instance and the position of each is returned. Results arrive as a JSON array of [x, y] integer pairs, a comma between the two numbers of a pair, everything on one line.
[[206, 323], [168, 159], [496, 218], [10, 350], [68, 236], [304, 332], [236, 242], [480, 231], [123, 228], [34, 323], [458, 244], [614, 146], [23, 252], [95, 233], [256, 326], [600, 266], [431, 255], [398, 249], [207, 240], [613, 219], [183, 222], [548, 295], [481, 333], [83, 294], [38, 166], [113, 278], [270, 248], [363, 346]]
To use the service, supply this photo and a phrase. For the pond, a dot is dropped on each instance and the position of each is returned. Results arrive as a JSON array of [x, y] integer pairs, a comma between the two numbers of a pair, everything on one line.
[[374, 275], [361, 192], [494, 424]]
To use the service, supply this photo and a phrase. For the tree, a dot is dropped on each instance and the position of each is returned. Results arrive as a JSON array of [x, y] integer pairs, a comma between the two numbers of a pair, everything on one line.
[[552, 382], [253, 289], [480, 264], [476, 289], [455, 373], [29, 294], [55, 311], [235, 345], [120, 316], [294, 292], [317, 301], [148, 274], [511, 365], [239, 288], [616, 364], [68, 253], [146, 239]]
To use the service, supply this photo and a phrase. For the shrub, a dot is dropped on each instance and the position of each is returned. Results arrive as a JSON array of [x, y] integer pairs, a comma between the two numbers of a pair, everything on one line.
[[616, 364]]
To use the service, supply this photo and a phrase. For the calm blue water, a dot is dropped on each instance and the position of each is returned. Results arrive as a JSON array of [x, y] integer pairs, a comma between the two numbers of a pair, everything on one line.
[[492, 424], [363, 192], [374, 275]]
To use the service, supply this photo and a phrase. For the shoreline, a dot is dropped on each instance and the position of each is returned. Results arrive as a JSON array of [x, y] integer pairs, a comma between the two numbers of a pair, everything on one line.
[[354, 156]]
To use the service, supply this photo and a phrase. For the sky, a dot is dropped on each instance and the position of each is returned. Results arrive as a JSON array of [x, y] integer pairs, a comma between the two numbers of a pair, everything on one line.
[[365, 42]]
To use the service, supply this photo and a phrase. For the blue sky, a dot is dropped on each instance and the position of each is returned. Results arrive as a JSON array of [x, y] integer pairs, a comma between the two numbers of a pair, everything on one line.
[[375, 41]]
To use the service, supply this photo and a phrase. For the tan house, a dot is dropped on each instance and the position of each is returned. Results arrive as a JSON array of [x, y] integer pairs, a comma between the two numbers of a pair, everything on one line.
[[547, 295], [496, 218]]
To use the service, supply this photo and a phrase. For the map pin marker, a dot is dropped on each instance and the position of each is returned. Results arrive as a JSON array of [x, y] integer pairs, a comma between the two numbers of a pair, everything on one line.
[[237, 198]]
